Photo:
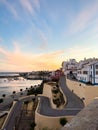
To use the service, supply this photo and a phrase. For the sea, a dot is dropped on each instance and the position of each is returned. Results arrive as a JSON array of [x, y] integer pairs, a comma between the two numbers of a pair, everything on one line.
[[8, 85]]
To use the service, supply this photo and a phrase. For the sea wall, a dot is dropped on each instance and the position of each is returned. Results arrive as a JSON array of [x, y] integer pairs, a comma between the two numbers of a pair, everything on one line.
[[52, 123], [88, 92], [47, 91]]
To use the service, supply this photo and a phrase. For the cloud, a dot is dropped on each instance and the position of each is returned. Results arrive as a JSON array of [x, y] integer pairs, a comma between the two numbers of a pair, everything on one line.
[[1, 40], [30, 6], [27, 6], [10, 7], [19, 61], [16, 47], [2, 51], [79, 52], [84, 18], [36, 4], [44, 41]]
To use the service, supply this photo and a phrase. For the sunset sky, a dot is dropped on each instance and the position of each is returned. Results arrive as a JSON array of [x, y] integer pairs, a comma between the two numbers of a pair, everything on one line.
[[40, 34]]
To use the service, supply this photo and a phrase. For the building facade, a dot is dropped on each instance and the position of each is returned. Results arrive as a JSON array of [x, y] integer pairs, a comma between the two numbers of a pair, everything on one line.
[[88, 74], [85, 70]]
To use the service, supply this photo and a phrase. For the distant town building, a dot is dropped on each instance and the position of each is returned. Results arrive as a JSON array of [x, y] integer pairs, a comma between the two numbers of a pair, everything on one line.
[[85, 70], [55, 75], [69, 66], [88, 73]]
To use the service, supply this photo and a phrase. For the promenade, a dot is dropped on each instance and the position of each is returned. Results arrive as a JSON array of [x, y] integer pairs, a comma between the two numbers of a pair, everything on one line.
[[73, 101], [73, 106]]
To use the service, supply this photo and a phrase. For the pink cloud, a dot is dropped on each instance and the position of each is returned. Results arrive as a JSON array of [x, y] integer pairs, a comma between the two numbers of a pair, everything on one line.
[[2, 51], [19, 61]]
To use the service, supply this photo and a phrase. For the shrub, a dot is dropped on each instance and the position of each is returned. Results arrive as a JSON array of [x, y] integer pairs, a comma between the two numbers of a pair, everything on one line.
[[63, 121], [32, 125], [55, 91], [1, 100]]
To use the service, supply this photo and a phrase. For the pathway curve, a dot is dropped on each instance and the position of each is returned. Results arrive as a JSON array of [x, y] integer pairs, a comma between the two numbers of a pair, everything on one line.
[[73, 101], [73, 106]]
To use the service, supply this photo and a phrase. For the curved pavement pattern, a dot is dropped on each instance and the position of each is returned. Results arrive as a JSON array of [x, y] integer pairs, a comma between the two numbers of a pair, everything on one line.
[[73, 106], [73, 101]]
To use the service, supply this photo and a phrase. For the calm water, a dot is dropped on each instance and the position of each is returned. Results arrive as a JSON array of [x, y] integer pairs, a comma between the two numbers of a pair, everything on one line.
[[7, 86]]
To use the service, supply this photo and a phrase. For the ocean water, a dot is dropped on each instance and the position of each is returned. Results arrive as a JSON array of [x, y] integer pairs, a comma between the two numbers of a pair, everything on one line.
[[8, 85]]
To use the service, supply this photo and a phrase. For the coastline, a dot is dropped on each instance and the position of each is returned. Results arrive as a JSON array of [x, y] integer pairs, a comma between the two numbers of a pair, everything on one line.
[[8, 86]]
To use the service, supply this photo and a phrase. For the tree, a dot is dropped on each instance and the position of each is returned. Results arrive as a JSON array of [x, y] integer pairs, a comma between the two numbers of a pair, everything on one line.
[[3, 95], [33, 124], [1, 100], [63, 121], [14, 92], [21, 90], [21, 93], [31, 86], [33, 99]]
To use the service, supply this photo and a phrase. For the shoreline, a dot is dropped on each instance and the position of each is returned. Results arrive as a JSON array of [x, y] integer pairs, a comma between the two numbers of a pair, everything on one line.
[[8, 86]]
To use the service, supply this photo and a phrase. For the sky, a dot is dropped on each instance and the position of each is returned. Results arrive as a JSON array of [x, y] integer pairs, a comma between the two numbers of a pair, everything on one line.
[[41, 34]]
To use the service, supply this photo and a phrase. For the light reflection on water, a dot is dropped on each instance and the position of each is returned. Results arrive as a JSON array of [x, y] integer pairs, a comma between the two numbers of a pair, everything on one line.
[[7, 86]]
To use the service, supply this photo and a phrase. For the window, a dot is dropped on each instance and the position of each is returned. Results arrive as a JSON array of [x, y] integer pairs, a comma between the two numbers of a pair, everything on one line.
[[79, 72], [85, 72], [96, 66], [96, 72]]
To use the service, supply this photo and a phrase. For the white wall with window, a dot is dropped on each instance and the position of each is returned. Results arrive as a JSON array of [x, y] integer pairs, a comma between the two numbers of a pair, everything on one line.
[[96, 73], [83, 74]]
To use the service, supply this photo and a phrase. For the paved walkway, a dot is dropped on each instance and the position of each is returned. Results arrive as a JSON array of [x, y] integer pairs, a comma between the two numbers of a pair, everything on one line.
[[73, 101], [74, 104]]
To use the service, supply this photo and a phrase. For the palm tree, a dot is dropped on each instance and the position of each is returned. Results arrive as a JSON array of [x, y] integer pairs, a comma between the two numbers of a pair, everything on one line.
[[3, 95], [26, 88], [63, 121], [31, 86], [21, 92], [14, 92]]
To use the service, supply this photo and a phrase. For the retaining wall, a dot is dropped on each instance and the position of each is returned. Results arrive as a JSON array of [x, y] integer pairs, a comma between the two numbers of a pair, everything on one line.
[[88, 92], [52, 123]]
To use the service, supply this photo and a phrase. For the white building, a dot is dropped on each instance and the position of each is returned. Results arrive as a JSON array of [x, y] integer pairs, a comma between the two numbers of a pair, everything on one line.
[[85, 70], [69, 66], [88, 73]]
